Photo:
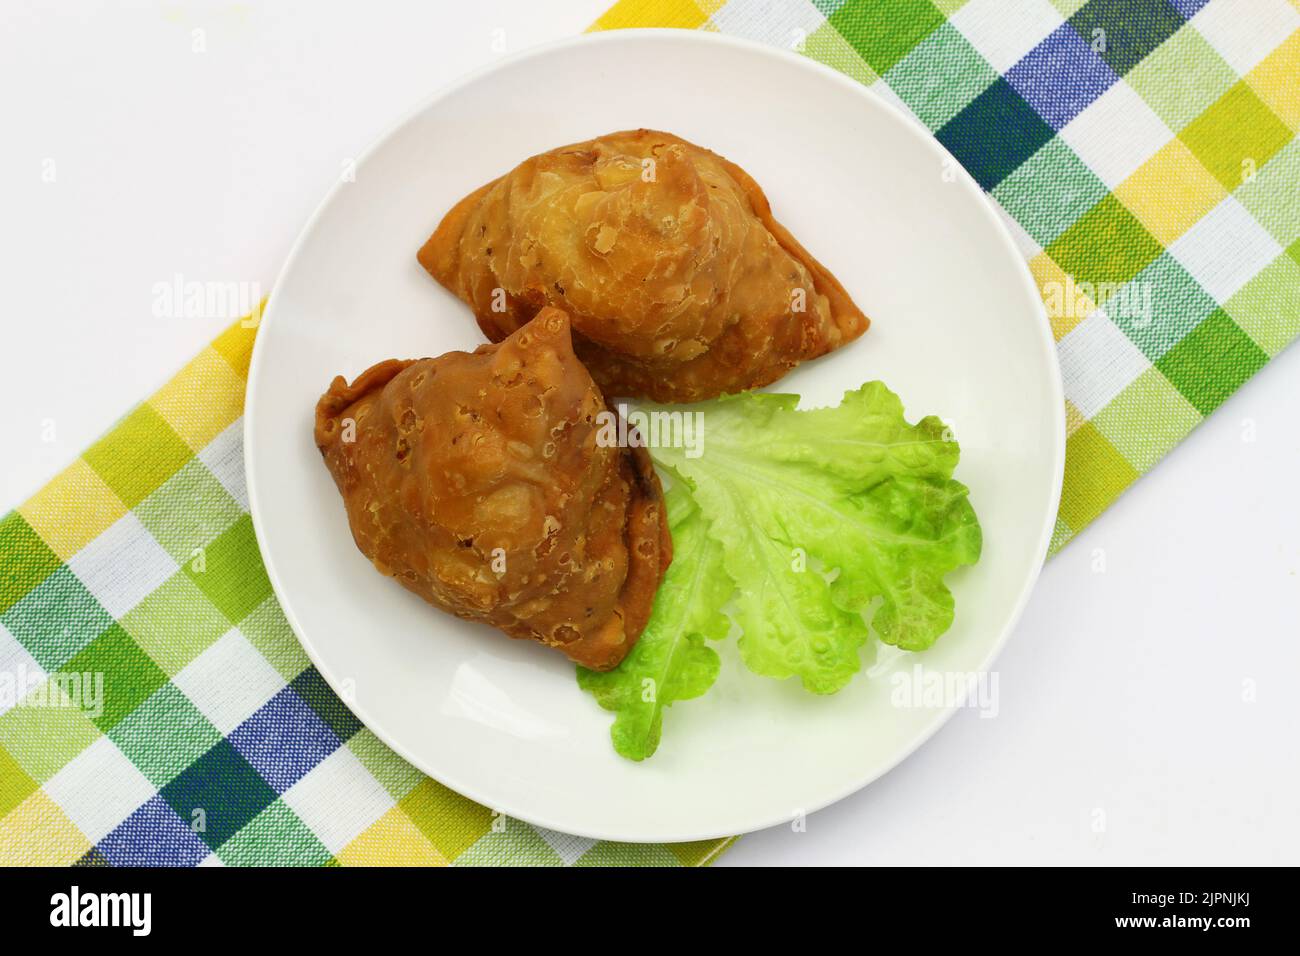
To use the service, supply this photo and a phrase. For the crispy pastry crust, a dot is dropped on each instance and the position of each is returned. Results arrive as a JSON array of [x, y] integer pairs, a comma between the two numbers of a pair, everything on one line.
[[476, 480], [680, 284]]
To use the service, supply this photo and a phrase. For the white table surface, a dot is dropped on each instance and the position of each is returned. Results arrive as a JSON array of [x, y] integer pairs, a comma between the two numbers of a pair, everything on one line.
[[1143, 709]]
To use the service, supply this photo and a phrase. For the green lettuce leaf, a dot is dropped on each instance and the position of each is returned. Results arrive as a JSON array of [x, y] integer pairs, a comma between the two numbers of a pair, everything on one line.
[[671, 661], [852, 493], [810, 521]]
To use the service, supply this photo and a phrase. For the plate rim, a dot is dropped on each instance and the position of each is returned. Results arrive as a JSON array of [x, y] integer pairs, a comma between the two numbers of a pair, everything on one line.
[[511, 808]]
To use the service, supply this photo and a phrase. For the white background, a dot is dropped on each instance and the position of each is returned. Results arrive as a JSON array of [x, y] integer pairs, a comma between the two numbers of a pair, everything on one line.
[[1146, 701]]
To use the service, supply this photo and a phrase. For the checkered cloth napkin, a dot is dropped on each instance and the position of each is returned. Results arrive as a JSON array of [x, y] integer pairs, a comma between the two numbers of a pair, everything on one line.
[[1144, 155]]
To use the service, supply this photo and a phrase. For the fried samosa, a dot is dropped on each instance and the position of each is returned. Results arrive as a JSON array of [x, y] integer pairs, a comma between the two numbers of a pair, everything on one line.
[[680, 284], [477, 481]]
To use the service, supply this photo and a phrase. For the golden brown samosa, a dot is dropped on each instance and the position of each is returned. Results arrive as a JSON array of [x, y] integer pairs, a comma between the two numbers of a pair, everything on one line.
[[680, 284], [477, 481]]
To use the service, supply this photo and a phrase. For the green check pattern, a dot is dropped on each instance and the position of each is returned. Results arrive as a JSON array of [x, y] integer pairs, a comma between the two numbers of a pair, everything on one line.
[[155, 708]]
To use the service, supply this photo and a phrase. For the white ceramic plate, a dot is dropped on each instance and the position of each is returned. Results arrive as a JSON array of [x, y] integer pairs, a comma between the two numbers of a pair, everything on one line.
[[958, 331]]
